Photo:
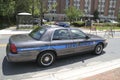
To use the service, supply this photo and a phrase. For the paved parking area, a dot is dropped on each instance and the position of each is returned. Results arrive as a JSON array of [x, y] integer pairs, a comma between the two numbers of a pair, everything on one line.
[[64, 68]]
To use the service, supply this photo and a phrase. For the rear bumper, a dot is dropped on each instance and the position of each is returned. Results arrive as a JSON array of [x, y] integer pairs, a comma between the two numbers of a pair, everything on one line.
[[15, 58], [19, 57]]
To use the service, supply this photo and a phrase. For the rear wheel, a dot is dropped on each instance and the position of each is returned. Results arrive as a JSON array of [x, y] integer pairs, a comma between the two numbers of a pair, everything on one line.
[[46, 58], [98, 49]]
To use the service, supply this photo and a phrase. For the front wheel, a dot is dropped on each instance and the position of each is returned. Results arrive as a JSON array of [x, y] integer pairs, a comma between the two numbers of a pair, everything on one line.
[[46, 58], [98, 49]]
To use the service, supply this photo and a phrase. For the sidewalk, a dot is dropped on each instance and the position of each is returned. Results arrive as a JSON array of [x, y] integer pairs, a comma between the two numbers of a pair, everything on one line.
[[12, 30], [102, 69], [109, 75]]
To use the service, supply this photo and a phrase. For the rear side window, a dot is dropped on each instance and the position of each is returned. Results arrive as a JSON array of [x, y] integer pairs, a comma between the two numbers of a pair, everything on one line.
[[37, 33], [62, 34]]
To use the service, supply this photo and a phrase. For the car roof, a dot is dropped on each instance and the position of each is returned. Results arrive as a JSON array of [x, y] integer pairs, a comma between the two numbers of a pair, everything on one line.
[[55, 27], [51, 28]]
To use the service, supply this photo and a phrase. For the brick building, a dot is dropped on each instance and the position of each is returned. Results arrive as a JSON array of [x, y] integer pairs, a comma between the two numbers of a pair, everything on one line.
[[106, 8]]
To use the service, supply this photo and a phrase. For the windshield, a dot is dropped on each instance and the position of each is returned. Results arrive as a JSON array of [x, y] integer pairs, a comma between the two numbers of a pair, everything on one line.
[[37, 33]]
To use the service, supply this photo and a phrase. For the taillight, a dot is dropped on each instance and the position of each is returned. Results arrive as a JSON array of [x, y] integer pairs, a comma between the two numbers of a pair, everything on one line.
[[13, 48]]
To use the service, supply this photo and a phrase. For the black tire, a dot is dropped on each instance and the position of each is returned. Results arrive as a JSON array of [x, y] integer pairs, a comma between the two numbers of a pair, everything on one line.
[[46, 58], [98, 49]]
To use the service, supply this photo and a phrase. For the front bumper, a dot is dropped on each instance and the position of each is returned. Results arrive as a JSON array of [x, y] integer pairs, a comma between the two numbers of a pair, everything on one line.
[[105, 44]]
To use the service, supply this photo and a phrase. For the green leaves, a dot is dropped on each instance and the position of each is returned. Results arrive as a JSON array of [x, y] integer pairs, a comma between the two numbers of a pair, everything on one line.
[[96, 13], [7, 7], [119, 16], [23, 6], [73, 13]]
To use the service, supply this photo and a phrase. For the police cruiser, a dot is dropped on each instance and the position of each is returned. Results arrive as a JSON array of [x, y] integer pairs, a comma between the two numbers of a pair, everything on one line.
[[45, 44]]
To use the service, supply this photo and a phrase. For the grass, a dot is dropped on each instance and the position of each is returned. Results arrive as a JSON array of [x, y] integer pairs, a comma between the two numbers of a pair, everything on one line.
[[107, 27], [103, 28]]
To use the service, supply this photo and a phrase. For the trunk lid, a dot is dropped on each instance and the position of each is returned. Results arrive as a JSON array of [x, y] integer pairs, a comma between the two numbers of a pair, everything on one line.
[[20, 38]]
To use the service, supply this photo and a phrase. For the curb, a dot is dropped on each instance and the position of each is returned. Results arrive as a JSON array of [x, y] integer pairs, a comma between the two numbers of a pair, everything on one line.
[[78, 73]]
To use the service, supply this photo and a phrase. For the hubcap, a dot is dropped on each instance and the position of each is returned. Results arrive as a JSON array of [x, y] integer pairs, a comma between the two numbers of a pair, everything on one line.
[[47, 59], [99, 49]]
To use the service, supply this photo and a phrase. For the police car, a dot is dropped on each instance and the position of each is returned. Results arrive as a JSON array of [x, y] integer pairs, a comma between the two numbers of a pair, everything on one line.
[[47, 43]]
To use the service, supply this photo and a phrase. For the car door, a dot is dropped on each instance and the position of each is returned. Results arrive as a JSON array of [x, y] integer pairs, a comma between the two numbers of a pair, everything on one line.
[[61, 42], [81, 41]]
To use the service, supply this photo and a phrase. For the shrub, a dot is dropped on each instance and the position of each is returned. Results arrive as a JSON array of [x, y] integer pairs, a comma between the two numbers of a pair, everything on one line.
[[36, 26], [49, 23], [118, 24], [78, 24], [2, 26], [105, 24]]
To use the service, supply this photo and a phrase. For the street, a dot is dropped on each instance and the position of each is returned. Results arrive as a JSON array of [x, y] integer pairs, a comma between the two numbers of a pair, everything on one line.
[[23, 70]]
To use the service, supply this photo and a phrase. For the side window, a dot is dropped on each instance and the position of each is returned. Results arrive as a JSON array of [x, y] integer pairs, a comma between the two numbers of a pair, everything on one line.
[[77, 34], [62, 34]]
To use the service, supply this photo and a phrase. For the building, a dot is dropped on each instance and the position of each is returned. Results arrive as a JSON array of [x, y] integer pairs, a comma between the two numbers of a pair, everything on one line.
[[106, 8]]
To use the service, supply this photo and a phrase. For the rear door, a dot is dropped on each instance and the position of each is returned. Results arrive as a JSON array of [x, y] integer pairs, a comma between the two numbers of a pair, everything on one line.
[[61, 42]]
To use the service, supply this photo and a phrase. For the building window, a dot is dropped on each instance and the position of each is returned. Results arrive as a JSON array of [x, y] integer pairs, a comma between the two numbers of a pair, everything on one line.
[[101, 6], [50, 3], [77, 4], [67, 3], [87, 6], [112, 5]]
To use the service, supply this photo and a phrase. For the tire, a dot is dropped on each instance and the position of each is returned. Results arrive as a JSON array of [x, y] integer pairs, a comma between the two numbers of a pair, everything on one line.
[[98, 49], [46, 58]]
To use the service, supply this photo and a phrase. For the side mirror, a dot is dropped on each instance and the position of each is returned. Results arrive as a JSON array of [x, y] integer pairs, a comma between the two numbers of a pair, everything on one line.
[[56, 38], [87, 37]]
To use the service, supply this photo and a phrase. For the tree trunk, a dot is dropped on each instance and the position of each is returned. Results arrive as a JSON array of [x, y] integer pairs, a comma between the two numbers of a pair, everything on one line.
[[9, 21], [41, 12]]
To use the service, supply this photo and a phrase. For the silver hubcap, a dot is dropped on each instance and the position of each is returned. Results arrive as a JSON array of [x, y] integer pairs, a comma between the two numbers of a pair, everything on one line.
[[99, 49], [47, 59]]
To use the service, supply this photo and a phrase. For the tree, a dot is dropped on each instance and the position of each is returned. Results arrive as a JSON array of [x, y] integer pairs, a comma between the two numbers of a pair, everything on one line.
[[72, 13], [96, 13], [22, 6], [34, 8], [119, 16], [7, 9]]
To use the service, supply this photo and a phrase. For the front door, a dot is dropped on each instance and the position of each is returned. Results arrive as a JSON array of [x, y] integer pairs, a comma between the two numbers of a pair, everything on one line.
[[81, 43], [62, 42]]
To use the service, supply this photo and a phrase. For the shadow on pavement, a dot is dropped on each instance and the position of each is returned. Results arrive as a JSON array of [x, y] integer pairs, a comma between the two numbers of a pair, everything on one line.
[[26, 67]]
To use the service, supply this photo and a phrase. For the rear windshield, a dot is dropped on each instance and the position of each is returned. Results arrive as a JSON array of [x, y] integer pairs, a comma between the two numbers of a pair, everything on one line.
[[37, 33]]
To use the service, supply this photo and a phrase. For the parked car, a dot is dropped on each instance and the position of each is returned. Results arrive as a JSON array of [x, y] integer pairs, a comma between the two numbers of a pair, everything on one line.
[[46, 44], [111, 21], [62, 24], [37, 20]]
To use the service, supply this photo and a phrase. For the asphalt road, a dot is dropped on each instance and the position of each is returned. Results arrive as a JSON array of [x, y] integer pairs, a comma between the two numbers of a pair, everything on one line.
[[18, 71]]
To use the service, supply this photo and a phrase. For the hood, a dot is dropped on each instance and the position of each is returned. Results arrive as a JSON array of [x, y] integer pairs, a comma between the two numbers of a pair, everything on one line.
[[95, 36], [20, 38]]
